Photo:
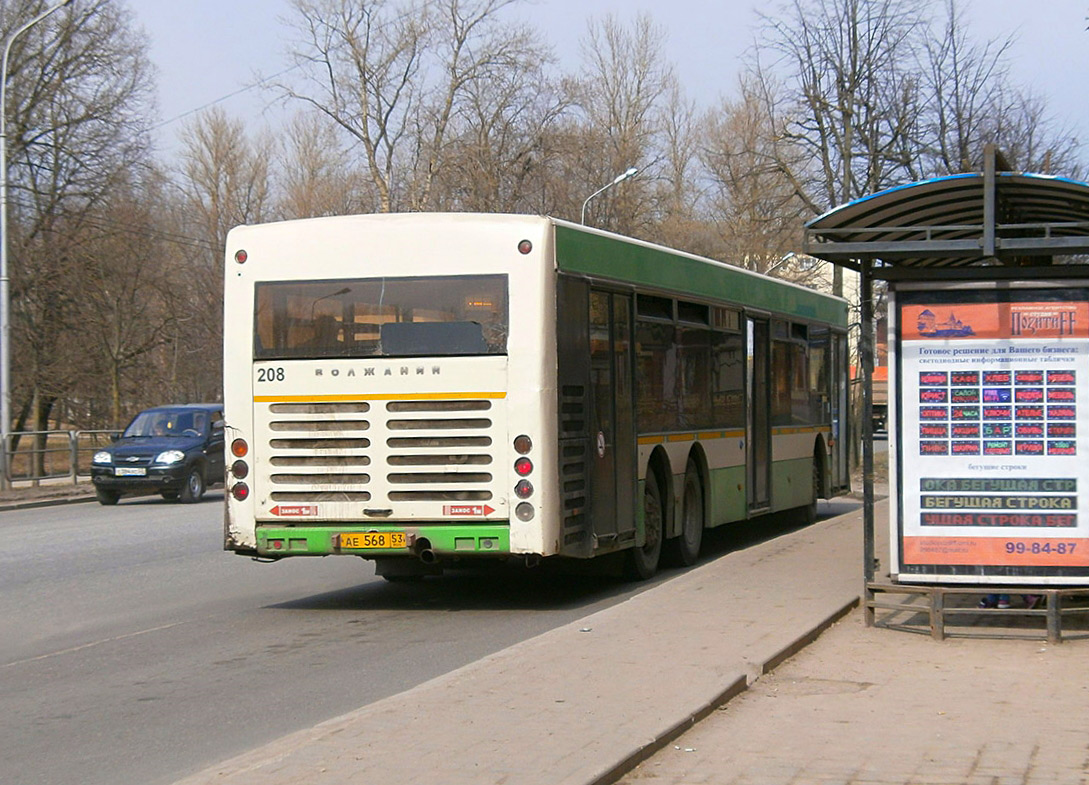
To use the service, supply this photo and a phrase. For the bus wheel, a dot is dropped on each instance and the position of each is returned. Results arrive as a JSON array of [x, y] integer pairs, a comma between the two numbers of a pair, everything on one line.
[[642, 563], [685, 549]]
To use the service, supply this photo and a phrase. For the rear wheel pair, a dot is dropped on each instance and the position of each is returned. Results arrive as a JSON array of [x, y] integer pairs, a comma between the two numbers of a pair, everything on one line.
[[684, 549]]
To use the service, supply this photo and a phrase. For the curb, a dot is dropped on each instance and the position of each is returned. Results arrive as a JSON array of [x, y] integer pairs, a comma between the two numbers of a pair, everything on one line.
[[739, 686], [30, 504]]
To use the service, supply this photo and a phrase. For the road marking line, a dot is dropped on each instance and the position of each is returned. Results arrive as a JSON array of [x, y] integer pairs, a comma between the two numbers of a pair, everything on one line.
[[92, 643]]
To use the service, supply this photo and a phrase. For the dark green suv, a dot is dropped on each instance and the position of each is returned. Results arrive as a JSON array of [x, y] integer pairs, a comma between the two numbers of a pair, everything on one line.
[[176, 451]]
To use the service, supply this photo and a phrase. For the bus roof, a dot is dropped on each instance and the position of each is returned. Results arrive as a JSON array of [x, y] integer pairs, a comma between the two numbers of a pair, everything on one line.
[[598, 253]]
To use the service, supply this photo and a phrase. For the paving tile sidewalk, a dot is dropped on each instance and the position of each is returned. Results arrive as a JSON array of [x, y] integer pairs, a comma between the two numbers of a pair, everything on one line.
[[574, 704], [886, 707]]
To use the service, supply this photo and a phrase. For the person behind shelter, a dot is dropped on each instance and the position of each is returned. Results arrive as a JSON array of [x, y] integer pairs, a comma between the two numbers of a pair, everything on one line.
[[1002, 601]]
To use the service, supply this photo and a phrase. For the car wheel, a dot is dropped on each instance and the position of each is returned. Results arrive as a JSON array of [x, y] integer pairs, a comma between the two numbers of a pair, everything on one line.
[[194, 486], [106, 496]]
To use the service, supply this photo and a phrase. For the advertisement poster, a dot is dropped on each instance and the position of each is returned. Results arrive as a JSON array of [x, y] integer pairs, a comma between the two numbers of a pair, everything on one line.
[[993, 411]]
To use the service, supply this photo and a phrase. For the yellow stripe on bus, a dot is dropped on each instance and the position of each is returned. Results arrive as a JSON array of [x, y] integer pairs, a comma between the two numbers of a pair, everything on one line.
[[375, 397], [687, 437], [799, 429]]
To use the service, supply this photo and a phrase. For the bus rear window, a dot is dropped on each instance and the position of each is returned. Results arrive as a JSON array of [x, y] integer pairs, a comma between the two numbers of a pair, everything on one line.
[[381, 317]]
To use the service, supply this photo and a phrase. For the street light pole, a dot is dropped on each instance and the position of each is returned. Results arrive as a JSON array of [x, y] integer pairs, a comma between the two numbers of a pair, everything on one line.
[[5, 297], [616, 181]]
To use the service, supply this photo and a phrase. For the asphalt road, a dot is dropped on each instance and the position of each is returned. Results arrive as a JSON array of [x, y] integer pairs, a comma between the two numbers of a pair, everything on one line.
[[134, 650]]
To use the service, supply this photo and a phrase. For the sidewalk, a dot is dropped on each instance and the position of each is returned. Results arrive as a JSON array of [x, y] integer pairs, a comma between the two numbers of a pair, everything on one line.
[[877, 706], [47, 493]]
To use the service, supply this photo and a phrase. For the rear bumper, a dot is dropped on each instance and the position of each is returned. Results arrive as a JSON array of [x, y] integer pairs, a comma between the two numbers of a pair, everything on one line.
[[471, 540]]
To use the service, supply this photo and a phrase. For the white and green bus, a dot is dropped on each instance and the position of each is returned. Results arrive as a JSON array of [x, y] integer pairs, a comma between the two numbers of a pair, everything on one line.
[[425, 389]]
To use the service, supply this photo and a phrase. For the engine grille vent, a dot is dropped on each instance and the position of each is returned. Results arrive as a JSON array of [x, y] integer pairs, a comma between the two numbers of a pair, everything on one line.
[[437, 450]]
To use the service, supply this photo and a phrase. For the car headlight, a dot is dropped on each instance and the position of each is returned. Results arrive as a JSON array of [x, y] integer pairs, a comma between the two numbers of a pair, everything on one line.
[[170, 456], [103, 456]]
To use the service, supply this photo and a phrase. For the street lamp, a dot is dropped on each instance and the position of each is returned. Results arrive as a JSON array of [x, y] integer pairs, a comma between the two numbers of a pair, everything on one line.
[[616, 181], [788, 257], [5, 301]]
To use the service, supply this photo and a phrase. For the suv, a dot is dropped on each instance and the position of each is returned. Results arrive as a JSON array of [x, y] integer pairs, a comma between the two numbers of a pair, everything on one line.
[[176, 451]]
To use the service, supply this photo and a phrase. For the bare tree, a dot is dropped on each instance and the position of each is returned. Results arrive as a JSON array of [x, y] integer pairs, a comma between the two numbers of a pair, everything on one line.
[[754, 206], [966, 84], [316, 176], [678, 193], [126, 304], [620, 91], [394, 77], [849, 95], [1033, 140], [224, 182], [79, 97], [502, 135], [969, 99]]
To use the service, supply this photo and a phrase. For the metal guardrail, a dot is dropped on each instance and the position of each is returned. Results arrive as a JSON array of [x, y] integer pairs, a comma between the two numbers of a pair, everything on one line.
[[33, 456]]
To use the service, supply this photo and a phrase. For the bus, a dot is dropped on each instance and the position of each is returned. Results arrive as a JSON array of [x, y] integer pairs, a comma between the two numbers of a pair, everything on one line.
[[426, 390]]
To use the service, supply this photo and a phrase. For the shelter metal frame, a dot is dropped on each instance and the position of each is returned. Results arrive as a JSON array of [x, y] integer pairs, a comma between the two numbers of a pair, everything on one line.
[[995, 225]]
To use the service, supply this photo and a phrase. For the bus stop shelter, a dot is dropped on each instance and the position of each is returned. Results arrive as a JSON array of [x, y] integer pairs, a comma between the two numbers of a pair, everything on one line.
[[983, 270]]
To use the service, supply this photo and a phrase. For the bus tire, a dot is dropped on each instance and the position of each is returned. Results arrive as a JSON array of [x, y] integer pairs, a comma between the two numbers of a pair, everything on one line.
[[684, 549], [642, 562]]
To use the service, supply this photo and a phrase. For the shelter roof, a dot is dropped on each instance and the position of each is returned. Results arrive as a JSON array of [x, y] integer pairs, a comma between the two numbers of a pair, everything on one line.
[[984, 219]]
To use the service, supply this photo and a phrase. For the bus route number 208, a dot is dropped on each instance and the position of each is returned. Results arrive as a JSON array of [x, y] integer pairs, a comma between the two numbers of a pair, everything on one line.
[[270, 374]]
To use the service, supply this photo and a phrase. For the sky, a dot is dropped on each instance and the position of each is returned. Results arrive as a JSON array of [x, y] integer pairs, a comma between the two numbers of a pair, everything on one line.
[[205, 51]]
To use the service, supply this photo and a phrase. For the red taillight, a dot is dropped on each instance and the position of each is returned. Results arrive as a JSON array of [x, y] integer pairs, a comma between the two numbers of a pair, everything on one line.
[[523, 466], [522, 445], [240, 491], [239, 448], [241, 256], [524, 489], [240, 469], [525, 247]]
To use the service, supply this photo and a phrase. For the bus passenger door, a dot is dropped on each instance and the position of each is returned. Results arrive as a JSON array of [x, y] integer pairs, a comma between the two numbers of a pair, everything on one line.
[[758, 423], [840, 431], [612, 431]]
